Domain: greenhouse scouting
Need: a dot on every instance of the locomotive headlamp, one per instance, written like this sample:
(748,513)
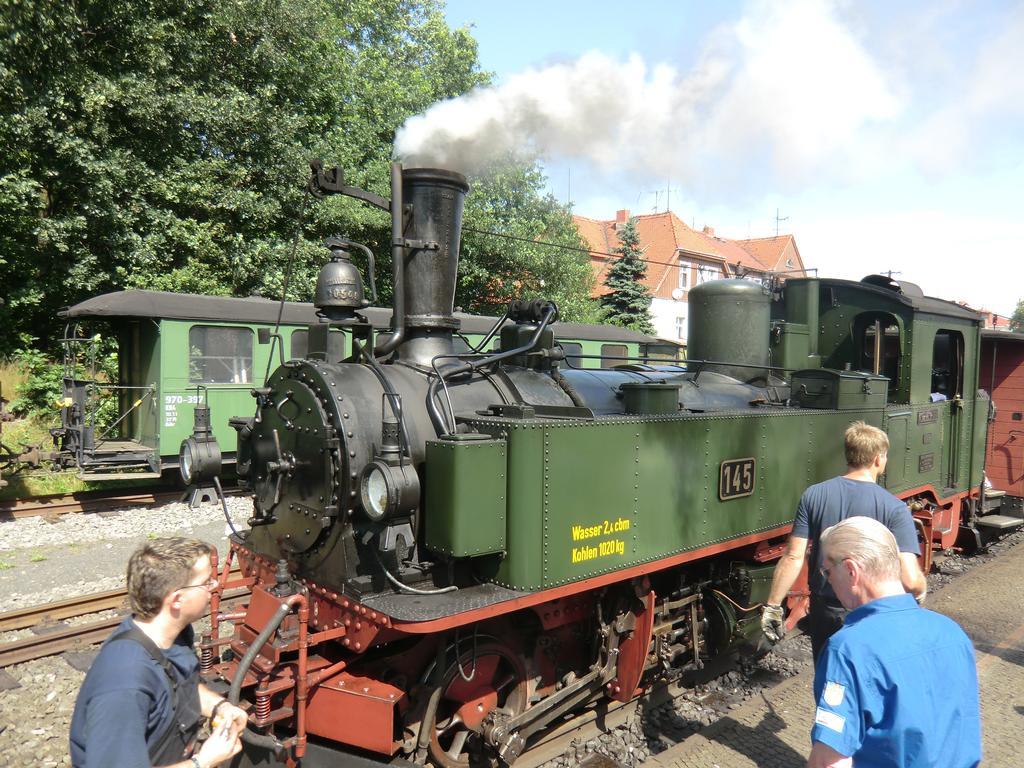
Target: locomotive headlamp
(199,458)
(388,490)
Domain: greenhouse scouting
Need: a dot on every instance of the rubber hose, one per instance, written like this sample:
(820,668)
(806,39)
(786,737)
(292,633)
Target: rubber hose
(428,723)
(568,388)
(257,739)
(430,714)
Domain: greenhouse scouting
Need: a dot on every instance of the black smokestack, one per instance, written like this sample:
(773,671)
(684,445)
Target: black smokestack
(433,200)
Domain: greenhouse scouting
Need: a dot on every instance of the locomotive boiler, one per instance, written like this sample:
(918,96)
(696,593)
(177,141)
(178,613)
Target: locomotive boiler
(451,551)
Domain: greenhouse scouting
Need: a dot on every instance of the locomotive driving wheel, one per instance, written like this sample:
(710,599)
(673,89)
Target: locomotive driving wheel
(497,681)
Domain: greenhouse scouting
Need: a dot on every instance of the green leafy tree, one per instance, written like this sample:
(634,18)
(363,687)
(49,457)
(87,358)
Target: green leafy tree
(520,243)
(628,302)
(163,143)
(1017,318)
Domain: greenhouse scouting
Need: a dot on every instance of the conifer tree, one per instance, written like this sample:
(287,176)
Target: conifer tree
(629,302)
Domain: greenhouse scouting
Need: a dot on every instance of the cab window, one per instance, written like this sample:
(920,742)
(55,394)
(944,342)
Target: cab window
(218,355)
(947,365)
(877,338)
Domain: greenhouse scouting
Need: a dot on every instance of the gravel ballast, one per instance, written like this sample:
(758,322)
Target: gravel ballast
(44,561)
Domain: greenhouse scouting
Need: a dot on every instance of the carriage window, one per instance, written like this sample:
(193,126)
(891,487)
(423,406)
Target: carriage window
(300,343)
(335,344)
(572,353)
(947,365)
(219,355)
(612,351)
(660,352)
(879,347)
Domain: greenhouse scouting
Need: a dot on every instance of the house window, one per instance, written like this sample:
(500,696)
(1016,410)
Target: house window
(706,273)
(218,355)
(684,275)
(681,328)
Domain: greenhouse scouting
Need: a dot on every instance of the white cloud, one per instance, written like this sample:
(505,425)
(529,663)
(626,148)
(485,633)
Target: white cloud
(973,258)
(786,90)
(803,91)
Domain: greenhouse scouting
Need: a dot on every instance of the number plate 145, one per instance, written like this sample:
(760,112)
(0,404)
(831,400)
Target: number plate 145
(736,479)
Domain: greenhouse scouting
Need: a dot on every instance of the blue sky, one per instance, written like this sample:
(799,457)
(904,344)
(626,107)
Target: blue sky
(891,134)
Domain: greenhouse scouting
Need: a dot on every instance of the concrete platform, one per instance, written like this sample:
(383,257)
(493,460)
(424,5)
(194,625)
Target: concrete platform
(773,731)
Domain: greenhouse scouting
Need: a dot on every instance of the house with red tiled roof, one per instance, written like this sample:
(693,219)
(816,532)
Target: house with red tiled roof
(991,320)
(679,257)
(778,254)
(994,322)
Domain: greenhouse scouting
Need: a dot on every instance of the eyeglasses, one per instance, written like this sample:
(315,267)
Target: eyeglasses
(208,585)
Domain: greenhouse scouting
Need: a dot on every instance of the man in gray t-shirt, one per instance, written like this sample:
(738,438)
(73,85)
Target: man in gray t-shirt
(855,494)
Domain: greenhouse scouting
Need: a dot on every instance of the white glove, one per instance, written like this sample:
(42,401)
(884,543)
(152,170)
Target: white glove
(773,623)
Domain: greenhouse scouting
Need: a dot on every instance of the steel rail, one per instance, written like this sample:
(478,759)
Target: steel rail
(82,501)
(23,618)
(87,501)
(64,639)
(58,639)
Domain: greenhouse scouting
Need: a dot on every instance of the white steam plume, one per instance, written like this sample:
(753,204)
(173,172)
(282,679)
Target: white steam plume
(781,91)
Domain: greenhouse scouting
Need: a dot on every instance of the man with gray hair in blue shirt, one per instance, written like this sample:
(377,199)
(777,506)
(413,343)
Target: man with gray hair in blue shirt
(897,686)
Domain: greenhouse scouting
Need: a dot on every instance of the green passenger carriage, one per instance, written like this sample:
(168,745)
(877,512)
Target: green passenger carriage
(178,350)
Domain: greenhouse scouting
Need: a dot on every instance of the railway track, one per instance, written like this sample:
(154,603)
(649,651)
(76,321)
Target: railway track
(82,501)
(55,637)
(604,717)
(50,613)
(58,504)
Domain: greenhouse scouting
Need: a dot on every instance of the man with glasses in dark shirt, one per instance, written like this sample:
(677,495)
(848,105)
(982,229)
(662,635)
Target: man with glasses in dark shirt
(141,703)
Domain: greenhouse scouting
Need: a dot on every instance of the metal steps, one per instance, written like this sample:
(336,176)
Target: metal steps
(999,522)
(993,501)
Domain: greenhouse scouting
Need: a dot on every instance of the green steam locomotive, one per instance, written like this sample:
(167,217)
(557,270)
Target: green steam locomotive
(450,551)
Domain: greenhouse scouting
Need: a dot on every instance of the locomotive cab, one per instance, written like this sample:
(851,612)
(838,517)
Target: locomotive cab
(935,416)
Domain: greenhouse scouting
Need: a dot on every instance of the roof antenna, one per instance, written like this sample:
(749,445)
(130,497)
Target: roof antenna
(777,220)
